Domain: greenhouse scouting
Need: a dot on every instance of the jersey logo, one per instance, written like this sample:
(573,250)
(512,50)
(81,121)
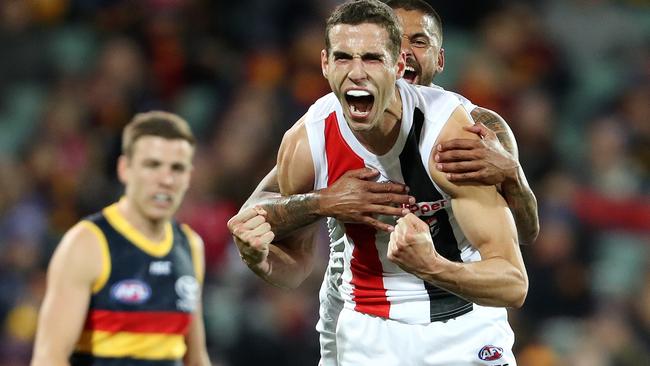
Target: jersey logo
(187,289)
(427,208)
(131,291)
(432,221)
(426,212)
(159,268)
(490,353)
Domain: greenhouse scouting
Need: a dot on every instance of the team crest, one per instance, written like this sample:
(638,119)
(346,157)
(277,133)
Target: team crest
(490,353)
(187,289)
(131,291)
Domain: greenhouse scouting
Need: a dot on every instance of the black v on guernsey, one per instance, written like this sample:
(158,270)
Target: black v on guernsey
(371,283)
(444,305)
(142,305)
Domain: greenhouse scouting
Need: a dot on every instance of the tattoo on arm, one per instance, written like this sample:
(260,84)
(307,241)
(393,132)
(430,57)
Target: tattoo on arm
(496,123)
(520,197)
(286,214)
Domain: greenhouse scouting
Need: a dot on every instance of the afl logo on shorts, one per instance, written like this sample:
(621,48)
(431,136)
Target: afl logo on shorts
(490,353)
(131,292)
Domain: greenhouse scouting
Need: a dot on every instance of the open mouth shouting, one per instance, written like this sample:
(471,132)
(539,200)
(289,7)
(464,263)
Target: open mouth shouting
(359,102)
(411,72)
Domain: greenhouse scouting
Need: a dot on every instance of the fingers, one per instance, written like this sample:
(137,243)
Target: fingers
(390,199)
(375,209)
(378,225)
(243,216)
(460,167)
(260,229)
(474,177)
(458,155)
(477,128)
(259,210)
(363,173)
(249,225)
(388,187)
(267,237)
(459,144)
(410,227)
(481,130)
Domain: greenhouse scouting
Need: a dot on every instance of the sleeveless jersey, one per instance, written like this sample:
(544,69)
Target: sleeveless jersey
(334,270)
(142,304)
(370,283)
(466,103)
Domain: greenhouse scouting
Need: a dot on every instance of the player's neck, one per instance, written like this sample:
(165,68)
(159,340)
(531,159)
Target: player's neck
(381,139)
(153,230)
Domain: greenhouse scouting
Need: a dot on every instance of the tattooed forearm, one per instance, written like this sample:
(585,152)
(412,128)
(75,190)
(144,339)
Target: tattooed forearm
(516,191)
(523,205)
(285,214)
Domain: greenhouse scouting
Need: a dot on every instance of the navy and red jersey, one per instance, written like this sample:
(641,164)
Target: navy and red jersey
(142,303)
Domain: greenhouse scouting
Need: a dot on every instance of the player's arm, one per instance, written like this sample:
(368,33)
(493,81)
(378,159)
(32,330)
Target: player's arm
(492,160)
(499,278)
(288,262)
(197,353)
(352,198)
(284,214)
(75,265)
(293,260)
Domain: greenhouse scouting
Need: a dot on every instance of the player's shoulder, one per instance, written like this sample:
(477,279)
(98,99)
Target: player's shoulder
(194,240)
(83,232)
(316,114)
(484,114)
(464,101)
(427,97)
(192,236)
(321,109)
(82,249)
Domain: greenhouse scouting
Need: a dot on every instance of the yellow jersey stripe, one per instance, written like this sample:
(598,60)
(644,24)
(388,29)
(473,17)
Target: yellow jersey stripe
(106,256)
(198,263)
(156,249)
(147,346)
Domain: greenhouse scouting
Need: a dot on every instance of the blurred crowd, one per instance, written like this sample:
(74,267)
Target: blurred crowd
(572,78)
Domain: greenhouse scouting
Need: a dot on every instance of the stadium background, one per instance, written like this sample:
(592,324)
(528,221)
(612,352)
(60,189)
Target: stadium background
(572,77)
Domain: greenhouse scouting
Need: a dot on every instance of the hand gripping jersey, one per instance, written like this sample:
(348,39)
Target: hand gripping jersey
(142,305)
(370,283)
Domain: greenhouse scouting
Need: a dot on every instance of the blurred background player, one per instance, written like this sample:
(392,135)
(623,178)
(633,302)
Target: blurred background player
(124,284)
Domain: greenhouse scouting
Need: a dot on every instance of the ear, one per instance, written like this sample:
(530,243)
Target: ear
(400,66)
(440,65)
(122,168)
(324,62)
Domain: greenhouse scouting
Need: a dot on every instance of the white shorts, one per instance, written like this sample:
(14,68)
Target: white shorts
(330,306)
(480,337)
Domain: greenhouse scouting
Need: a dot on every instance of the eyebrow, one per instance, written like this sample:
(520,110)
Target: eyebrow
(372,55)
(420,34)
(365,56)
(341,54)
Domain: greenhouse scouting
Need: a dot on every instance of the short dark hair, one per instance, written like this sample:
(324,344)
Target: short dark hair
(155,123)
(421,6)
(367,11)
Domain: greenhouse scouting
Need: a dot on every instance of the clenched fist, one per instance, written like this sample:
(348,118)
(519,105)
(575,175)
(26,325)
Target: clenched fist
(411,246)
(252,234)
